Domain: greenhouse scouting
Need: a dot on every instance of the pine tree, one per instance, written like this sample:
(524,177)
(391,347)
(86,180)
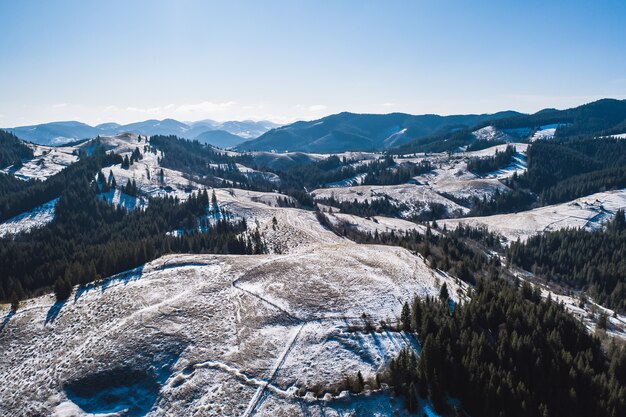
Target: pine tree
(443,293)
(405,317)
(62,288)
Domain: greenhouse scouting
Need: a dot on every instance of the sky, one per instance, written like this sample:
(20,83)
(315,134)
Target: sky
(131,60)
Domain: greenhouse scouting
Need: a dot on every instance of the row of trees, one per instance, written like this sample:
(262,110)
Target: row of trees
(400,174)
(374,207)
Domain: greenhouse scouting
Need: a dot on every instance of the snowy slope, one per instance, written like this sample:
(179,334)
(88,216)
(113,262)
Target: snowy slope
(47,161)
(417,197)
(588,212)
(36,217)
(544,132)
(215,334)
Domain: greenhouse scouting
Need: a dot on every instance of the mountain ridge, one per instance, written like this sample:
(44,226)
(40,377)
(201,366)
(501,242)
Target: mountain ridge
(60,132)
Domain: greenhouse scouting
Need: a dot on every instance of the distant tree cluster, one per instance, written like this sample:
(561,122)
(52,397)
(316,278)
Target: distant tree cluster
(135,156)
(448,142)
(500,160)
(402,173)
(366,208)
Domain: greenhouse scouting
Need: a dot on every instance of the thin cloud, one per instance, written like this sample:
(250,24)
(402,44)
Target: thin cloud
(388,104)
(205,107)
(317,107)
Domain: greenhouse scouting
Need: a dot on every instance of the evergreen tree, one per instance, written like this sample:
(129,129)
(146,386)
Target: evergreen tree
(405,317)
(443,293)
(62,288)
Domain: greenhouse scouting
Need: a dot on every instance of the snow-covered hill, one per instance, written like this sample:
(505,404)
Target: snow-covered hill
(223,335)
(589,212)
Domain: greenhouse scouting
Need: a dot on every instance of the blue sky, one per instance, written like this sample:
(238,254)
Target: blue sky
(124,61)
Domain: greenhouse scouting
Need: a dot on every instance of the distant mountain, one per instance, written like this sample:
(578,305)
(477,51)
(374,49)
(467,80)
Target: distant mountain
(54,133)
(248,129)
(155,127)
(362,132)
(220,138)
(57,133)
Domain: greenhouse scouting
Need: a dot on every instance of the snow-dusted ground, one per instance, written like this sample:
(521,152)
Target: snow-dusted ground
(544,132)
(491,151)
(218,335)
(47,161)
(490,133)
(417,197)
(36,217)
(507,135)
(450,174)
(376,223)
(589,212)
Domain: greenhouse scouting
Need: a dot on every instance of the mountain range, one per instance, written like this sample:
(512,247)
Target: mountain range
(378,132)
(355,132)
(221,134)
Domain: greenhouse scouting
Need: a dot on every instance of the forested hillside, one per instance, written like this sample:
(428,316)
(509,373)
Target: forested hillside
(594,261)
(27,195)
(507,353)
(599,118)
(12,150)
(90,239)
